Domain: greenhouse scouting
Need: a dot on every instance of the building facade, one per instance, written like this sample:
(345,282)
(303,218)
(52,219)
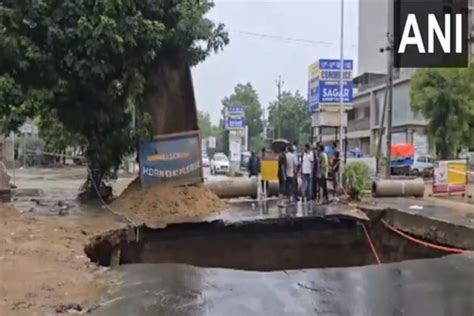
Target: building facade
(364,119)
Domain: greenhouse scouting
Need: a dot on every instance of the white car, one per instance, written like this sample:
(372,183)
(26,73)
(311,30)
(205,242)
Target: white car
(422,164)
(220,164)
(205,161)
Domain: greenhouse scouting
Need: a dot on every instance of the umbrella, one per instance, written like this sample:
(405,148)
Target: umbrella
(279,144)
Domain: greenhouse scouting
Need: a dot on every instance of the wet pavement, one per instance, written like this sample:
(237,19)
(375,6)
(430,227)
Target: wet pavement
(457,213)
(443,286)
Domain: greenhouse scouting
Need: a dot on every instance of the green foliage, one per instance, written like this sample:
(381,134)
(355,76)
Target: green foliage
(247,96)
(87,61)
(256,143)
(56,137)
(206,126)
(296,121)
(356,178)
(446,98)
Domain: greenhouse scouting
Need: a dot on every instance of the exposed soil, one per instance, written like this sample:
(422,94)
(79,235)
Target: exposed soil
(42,263)
(165,204)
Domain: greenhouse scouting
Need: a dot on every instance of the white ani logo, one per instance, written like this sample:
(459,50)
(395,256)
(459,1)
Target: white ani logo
(433,28)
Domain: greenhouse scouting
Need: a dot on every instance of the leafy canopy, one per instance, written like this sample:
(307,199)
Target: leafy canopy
(295,119)
(247,96)
(446,98)
(89,60)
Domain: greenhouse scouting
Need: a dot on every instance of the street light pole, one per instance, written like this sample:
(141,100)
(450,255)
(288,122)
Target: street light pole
(341,92)
(390,51)
(279,84)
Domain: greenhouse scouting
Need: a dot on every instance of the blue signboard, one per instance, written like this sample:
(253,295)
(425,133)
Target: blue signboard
(235,123)
(335,64)
(324,84)
(174,159)
(329,92)
(235,109)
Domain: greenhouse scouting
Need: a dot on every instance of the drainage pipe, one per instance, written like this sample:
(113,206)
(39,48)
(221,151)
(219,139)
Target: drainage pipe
(394,188)
(242,187)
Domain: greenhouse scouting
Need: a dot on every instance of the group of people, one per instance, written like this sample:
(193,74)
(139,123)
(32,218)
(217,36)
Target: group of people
(311,164)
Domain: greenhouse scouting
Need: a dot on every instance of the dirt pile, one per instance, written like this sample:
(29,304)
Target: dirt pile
(42,262)
(165,204)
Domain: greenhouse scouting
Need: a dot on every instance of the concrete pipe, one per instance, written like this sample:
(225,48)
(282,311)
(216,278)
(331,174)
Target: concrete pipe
(243,187)
(234,188)
(400,188)
(273,187)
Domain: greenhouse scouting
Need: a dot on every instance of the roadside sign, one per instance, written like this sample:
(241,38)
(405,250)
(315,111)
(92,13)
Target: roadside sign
(235,110)
(324,88)
(212,142)
(235,123)
(173,159)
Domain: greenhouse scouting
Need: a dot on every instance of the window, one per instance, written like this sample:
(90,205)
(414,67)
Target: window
(430,159)
(351,115)
(421,159)
(366,112)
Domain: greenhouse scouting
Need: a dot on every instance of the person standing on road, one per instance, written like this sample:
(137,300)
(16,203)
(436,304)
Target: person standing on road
(263,154)
(254,165)
(291,163)
(307,170)
(282,173)
(315,191)
(323,170)
(336,161)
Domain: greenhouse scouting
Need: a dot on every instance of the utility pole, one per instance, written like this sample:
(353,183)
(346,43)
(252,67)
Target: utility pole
(390,50)
(279,84)
(341,95)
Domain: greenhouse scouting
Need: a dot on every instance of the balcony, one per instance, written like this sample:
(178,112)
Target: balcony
(358,125)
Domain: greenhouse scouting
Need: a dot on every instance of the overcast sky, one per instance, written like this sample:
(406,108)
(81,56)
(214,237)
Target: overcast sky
(261,59)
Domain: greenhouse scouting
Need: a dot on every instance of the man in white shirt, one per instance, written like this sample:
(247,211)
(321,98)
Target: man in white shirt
(307,170)
(291,163)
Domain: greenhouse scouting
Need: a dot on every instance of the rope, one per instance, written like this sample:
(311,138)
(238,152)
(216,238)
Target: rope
(421,242)
(372,247)
(107,207)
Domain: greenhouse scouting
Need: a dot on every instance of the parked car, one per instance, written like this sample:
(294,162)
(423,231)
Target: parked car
(205,160)
(220,164)
(244,160)
(422,165)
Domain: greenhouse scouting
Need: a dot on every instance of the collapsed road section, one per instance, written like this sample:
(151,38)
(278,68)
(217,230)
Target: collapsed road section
(321,239)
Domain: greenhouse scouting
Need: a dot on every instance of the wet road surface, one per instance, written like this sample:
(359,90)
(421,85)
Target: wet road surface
(457,213)
(443,286)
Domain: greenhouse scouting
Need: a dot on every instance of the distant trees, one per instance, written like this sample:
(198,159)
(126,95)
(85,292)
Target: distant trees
(89,62)
(446,98)
(296,121)
(247,96)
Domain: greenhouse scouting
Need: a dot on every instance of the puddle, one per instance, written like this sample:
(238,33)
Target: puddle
(259,245)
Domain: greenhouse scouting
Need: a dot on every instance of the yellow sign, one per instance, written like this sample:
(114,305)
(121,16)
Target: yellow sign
(313,71)
(269,170)
(457,171)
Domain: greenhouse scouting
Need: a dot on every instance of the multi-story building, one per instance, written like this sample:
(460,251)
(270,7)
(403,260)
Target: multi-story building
(364,119)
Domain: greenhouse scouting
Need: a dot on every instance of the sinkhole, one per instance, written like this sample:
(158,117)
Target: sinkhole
(260,245)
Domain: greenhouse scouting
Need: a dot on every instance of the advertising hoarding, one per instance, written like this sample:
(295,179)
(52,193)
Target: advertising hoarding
(324,85)
(172,159)
(234,123)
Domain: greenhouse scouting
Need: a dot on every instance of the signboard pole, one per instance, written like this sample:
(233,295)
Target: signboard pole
(341,95)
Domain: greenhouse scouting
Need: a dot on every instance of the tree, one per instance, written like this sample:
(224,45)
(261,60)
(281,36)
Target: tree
(247,96)
(206,126)
(446,98)
(56,137)
(91,63)
(297,120)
